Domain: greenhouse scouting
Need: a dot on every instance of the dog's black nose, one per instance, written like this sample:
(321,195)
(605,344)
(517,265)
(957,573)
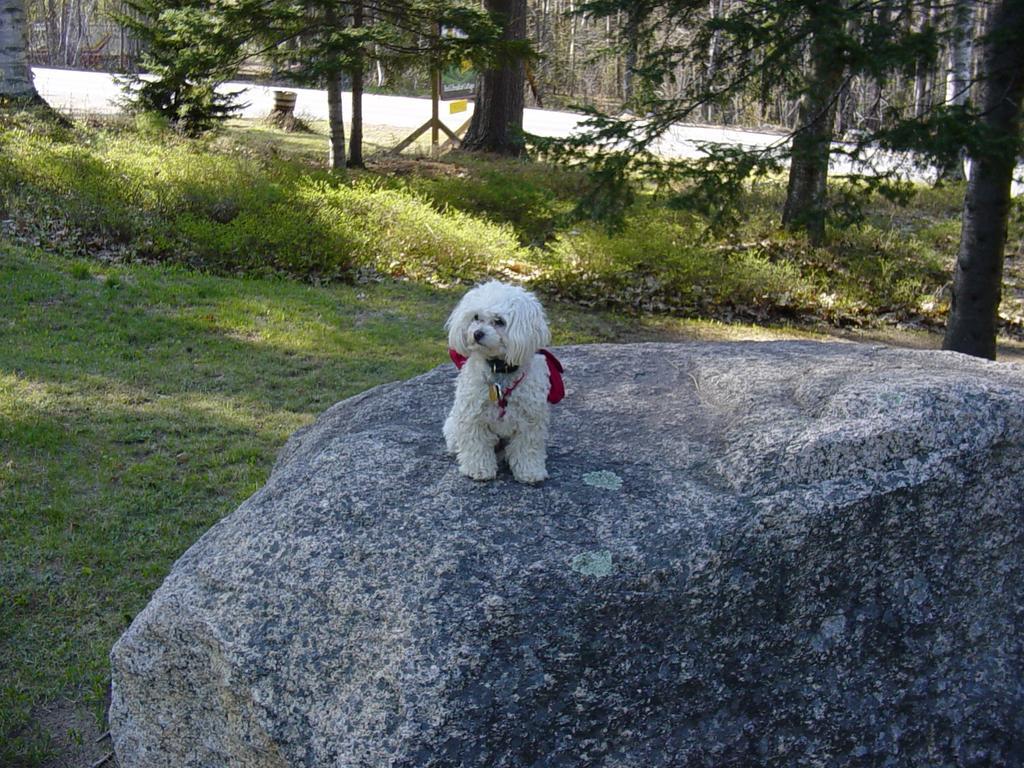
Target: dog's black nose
(478,334)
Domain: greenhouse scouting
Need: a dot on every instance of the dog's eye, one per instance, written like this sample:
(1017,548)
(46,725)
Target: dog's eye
(499,322)
(476,318)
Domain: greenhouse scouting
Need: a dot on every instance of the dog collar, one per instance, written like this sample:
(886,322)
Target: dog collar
(556,390)
(498,365)
(496,394)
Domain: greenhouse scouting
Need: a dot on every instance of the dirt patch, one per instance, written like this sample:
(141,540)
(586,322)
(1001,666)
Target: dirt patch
(1007,350)
(76,739)
(392,165)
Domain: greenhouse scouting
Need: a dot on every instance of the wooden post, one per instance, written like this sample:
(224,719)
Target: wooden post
(434,124)
(435,118)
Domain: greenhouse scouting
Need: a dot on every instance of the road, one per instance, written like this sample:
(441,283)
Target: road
(78,92)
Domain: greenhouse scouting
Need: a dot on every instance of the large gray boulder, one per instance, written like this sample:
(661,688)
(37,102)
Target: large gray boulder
(785,554)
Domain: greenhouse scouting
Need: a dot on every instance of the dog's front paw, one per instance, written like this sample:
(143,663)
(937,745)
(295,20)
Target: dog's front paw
(527,460)
(450,430)
(479,474)
(530,475)
(479,468)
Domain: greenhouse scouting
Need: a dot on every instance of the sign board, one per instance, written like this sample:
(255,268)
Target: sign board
(459,105)
(458,81)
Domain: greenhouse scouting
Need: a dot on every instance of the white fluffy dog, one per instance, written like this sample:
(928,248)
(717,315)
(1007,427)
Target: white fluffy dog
(506,380)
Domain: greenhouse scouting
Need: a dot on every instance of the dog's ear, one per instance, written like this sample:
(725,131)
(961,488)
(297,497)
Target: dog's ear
(527,329)
(457,324)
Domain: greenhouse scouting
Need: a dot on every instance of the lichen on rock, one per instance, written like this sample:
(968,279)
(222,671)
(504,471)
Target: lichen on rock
(609,481)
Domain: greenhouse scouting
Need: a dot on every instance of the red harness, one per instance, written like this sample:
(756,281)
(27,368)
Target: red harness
(555,393)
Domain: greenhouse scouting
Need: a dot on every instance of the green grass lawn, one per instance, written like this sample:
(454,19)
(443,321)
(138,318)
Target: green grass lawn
(137,406)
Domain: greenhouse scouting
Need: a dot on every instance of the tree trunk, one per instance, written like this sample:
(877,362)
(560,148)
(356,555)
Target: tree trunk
(978,274)
(355,146)
(572,49)
(335,120)
(711,63)
(497,124)
(958,76)
(812,142)
(958,80)
(15,77)
(922,71)
(631,31)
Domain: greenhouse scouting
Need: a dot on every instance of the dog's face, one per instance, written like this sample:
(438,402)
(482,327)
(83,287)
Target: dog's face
(497,320)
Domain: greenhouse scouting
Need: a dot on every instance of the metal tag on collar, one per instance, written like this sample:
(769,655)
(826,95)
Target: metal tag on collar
(494,393)
(500,365)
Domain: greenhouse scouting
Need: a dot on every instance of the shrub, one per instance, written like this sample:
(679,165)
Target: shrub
(170,200)
(663,262)
(152,195)
(533,199)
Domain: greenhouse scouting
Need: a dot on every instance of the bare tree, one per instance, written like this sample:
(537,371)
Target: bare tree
(631,38)
(958,75)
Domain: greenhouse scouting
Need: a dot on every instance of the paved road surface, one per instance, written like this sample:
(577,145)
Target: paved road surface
(97,93)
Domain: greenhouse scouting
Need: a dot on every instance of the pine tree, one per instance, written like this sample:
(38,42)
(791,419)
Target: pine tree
(806,192)
(190,48)
(497,123)
(805,49)
(356,71)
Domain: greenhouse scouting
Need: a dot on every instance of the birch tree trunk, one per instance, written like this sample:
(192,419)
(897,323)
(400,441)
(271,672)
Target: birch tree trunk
(958,75)
(572,49)
(711,64)
(15,77)
(978,274)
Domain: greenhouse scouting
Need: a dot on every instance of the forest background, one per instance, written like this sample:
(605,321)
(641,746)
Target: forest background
(583,59)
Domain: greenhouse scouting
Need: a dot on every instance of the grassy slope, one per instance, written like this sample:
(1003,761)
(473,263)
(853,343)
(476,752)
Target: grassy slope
(253,201)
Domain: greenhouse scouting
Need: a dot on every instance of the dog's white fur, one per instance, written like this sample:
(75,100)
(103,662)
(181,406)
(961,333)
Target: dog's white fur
(497,320)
